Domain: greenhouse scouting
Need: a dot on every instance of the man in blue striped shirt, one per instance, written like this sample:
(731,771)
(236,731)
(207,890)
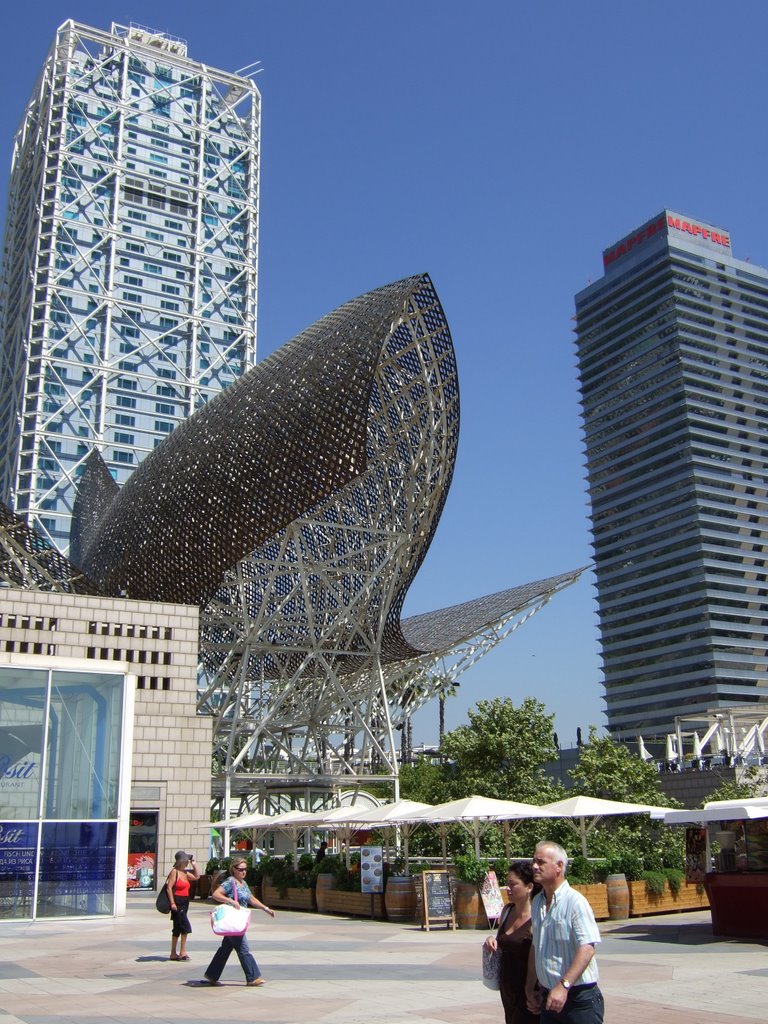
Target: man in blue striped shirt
(565,934)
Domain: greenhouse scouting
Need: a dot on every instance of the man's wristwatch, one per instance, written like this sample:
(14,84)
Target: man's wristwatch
(566,984)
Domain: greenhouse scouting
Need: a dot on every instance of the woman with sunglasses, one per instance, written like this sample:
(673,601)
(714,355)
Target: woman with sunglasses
(233,890)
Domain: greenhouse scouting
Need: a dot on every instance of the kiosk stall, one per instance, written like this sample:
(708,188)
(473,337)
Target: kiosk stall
(727,849)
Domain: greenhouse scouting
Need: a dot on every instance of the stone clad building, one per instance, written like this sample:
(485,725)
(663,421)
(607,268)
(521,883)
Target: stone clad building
(149,735)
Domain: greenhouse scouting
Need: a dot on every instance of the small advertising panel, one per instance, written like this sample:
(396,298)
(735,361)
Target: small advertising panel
(756,834)
(372,869)
(142,850)
(695,854)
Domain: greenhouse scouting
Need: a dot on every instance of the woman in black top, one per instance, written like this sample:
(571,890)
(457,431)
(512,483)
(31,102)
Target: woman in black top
(513,938)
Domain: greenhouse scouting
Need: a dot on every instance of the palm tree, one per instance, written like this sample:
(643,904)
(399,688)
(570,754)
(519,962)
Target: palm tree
(450,686)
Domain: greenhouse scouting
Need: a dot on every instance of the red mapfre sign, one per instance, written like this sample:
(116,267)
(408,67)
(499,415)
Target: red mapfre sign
(653,227)
(698,230)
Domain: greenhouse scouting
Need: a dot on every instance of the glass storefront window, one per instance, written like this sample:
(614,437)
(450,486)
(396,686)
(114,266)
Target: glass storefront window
(84,740)
(61,742)
(18,852)
(23,694)
(77,869)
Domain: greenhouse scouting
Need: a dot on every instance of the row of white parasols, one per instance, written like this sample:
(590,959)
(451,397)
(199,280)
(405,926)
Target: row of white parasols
(475,813)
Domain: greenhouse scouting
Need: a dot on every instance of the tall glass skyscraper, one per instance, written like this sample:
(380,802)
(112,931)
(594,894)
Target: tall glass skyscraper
(673,362)
(128,291)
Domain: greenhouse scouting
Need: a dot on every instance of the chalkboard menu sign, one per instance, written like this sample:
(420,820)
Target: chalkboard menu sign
(437,903)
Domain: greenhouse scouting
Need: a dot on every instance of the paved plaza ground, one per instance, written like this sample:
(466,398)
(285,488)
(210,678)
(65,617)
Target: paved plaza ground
(663,970)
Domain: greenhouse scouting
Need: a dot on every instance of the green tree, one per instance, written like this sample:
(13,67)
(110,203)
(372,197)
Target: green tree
(450,688)
(611,771)
(749,782)
(424,781)
(502,751)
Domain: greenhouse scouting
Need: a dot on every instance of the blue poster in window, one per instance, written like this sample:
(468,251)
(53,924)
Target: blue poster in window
(18,844)
(77,868)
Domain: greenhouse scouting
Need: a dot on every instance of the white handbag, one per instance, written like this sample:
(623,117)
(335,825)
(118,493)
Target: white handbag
(227,920)
(491,968)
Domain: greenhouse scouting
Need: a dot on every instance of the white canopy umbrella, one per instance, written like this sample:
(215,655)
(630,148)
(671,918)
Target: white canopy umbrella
(388,814)
(643,750)
(671,755)
(393,815)
(747,801)
(252,820)
(328,817)
(475,813)
(583,807)
(721,810)
(696,746)
(292,822)
(338,819)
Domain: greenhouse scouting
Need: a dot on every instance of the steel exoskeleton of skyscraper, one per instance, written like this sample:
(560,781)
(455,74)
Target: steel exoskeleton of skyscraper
(129,273)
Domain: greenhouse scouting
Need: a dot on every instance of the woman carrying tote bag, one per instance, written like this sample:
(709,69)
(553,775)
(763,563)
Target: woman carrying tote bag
(513,940)
(235,892)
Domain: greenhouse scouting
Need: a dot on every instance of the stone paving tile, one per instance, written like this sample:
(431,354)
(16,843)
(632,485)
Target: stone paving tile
(637,1011)
(342,971)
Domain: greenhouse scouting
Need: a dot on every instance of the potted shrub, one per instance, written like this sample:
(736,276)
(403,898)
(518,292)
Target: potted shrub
(286,886)
(588,878)
(323,877)
(662,888)
(400,894)
(470,872)
(338,889)
(205,881)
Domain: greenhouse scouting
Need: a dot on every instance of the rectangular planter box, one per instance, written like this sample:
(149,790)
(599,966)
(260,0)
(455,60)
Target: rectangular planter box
(294,899)
(642,902)
(356,904)
(597,897)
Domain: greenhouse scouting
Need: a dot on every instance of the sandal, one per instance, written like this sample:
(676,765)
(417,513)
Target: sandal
(185,957)
(177,957)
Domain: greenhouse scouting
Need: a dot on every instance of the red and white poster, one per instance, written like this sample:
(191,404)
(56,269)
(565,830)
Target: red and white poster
(141,871)
(490,893)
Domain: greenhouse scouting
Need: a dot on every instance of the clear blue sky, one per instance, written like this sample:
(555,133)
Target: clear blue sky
(499,146)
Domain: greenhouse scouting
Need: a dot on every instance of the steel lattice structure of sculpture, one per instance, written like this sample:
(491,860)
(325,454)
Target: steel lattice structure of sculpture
(29,562)
(296,509)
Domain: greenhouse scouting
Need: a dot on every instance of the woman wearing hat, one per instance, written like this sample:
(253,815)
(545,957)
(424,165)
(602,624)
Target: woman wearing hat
(184,869)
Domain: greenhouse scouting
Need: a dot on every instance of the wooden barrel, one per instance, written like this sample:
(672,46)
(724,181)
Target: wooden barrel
(325,884)
(468,907)
(618,897)
(400,898)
